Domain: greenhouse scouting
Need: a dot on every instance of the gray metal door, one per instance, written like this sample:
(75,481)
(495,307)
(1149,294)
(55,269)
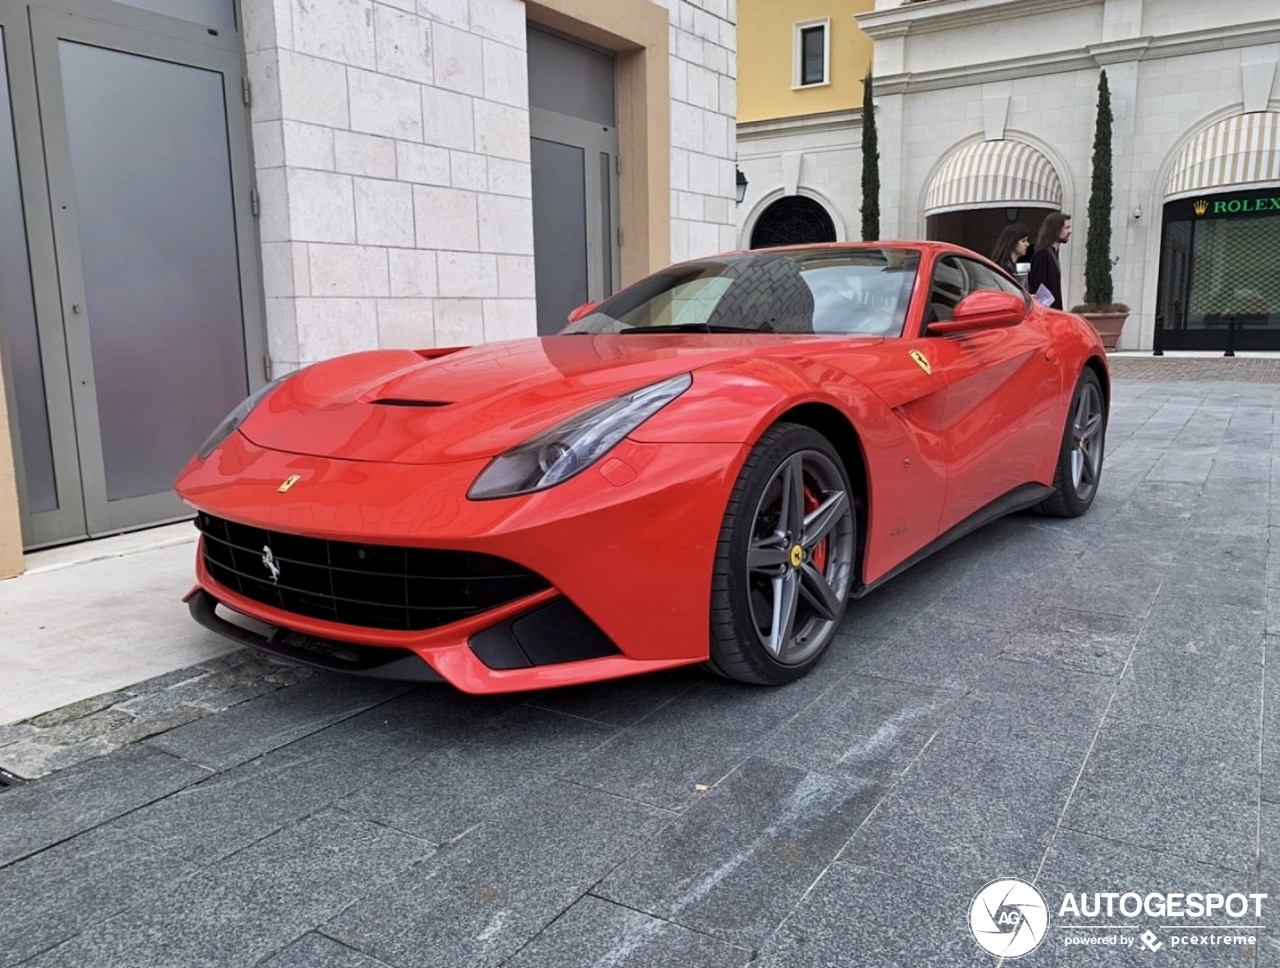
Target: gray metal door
(574,150)
(144,323)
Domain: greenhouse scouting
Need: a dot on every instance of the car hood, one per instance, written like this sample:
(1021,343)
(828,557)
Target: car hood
(432,406)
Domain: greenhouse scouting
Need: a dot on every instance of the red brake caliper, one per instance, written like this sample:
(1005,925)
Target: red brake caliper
(820,550)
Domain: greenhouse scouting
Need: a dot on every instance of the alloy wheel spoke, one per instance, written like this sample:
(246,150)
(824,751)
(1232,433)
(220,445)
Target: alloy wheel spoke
(1091,426)
(818,524)
(768,554)
(786,601)
(1088,471)
(1084,406)
(818,592)
(792,519)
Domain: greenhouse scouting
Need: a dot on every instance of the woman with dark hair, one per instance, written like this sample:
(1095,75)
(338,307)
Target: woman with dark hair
(1011,246)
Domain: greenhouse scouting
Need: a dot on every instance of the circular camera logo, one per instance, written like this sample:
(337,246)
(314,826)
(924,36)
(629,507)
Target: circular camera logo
(1008,918)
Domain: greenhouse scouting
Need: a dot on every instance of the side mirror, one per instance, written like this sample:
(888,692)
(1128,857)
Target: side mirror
(985,309)
(581,311)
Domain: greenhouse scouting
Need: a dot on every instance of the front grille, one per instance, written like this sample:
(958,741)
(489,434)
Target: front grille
(367,585)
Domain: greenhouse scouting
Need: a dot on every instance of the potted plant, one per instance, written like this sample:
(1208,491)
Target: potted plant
(1106,316)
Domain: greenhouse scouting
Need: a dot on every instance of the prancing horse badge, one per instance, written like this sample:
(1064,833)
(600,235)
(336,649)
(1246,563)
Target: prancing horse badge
(922,360)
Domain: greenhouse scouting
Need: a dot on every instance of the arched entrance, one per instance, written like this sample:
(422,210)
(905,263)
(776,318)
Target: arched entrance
(1219,234)
(985,186)
(794,220)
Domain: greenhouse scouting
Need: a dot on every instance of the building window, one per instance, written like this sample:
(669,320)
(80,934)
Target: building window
(794,220)
(812,53)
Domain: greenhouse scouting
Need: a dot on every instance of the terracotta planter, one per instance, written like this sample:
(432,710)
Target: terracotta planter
(1108,326)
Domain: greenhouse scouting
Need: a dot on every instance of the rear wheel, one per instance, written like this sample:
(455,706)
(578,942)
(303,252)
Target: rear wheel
(1080,456)
(785,560)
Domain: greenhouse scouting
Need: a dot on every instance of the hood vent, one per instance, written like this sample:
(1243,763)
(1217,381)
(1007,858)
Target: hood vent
(396,402)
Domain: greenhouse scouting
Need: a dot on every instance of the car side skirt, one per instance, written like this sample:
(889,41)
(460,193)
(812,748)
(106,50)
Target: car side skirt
(1019,499)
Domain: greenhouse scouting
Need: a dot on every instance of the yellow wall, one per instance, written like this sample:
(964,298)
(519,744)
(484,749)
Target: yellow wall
(766,30)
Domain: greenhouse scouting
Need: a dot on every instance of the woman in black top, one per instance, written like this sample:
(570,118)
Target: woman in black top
(1011,246)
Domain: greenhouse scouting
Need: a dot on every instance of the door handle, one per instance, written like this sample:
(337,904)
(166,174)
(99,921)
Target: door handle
(75,309)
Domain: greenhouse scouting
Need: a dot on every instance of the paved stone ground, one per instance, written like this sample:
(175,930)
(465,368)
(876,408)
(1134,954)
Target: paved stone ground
(1235,369)
(1081,704)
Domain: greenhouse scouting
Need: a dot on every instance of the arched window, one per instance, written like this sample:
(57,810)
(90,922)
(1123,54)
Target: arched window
(795,220)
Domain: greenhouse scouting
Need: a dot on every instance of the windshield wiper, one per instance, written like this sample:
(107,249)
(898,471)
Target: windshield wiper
(693,328)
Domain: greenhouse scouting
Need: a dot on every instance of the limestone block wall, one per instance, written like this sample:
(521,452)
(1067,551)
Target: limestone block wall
(392,153)
(703,111)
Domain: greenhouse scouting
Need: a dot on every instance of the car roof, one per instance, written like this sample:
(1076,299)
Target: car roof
(818,248)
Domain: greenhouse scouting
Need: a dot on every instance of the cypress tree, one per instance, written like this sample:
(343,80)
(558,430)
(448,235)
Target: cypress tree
(1097,259)
(870,166)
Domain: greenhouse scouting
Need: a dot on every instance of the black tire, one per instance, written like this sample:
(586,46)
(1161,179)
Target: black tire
(1079,470)
(765,556)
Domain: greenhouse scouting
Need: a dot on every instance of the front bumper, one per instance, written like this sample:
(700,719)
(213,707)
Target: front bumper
(359,660)
(629,545)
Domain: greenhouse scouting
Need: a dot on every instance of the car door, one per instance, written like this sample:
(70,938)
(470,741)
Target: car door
(997,414)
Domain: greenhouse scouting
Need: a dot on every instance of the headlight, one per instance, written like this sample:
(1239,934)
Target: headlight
(237,416)
(558,454)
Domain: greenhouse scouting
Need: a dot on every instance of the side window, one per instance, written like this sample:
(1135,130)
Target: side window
(950,285)
(984,277)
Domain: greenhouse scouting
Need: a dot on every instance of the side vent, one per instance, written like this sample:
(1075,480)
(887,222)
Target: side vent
(395,402)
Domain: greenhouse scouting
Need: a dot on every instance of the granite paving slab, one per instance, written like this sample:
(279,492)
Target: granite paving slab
(35,816)
(1195,693)
(448,791)
(93,727)
(736,862)
(271,892)
(55,894)
(238,806)
(1080,864)
(480,900)
(596,932)
(314,950)
(1180,790)
(703,735)
(274,720)
(898,922)
(869,728)
(968,805)
(1020,702)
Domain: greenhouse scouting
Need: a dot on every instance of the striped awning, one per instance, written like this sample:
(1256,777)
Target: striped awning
(994,174)
(1238,151)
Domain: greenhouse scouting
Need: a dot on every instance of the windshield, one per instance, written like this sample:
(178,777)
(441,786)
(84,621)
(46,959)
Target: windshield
(854,292)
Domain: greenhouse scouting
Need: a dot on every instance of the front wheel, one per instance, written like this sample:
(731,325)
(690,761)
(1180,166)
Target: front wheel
(1080,455)
(785,560)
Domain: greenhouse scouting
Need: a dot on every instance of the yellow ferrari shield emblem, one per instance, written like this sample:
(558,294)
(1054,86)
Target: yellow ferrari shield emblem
(797,556)
(288,483)
(922,361)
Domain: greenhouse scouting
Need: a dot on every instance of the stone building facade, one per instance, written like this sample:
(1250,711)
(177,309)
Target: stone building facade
(373,179)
